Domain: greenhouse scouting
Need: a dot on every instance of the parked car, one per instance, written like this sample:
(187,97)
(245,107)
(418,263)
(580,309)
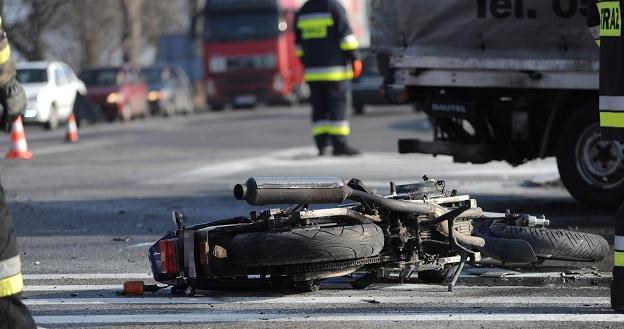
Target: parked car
(170,89)
(119,91)
(367,90)
(51,89)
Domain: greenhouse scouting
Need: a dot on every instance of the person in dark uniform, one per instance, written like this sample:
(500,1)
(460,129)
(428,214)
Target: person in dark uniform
(13,313)
(327,48)
(604,19)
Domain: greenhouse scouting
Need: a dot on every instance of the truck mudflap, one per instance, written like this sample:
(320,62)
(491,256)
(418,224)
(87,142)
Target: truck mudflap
(473,153)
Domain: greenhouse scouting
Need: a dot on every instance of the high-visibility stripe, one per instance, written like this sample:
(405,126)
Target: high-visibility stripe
(618,245)
(333,73)
(319,128)
(11,285)
(10,267)
(610,18)
(618,258)
(336,128)
(349,43)
(314,26)
(299,51)
(5,54)
(315,22)
(611,103)
(612,119)
(341,129)
(315,16)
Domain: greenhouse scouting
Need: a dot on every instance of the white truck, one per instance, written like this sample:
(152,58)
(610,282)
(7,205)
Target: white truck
(510,80)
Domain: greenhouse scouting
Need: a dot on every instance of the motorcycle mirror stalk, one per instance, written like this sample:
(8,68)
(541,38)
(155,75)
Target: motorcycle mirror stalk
(178,220)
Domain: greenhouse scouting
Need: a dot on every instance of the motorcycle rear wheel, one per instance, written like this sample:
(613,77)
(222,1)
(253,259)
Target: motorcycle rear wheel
(306,245)
(557,244)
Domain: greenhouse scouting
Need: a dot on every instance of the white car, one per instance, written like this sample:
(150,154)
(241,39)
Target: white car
(51,89)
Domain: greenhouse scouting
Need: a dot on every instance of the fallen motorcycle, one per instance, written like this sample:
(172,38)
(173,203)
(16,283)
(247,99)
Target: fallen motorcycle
(418,229)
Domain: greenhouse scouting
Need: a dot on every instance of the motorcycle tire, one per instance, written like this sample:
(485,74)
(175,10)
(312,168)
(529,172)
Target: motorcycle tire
(557,244)
(306,245)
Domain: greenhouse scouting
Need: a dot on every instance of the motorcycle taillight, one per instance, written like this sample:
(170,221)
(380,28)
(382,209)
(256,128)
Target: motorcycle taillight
(168,256)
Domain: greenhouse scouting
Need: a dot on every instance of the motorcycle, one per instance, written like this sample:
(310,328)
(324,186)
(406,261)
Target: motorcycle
(420,229)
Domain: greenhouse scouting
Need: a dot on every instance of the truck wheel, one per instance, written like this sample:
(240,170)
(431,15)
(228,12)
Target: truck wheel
(557,244)
(591,169)
(306,245)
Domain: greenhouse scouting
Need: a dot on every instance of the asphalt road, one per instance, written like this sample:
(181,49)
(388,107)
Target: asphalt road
(87,212)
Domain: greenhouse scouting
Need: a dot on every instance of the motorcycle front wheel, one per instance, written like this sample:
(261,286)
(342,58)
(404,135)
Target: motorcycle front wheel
(557,244)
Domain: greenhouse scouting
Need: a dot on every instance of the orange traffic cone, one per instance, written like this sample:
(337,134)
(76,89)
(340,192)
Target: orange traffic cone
(19,147)
(72,130)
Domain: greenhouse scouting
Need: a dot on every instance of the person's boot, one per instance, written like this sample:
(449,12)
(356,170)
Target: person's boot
(323,144)
(341,147)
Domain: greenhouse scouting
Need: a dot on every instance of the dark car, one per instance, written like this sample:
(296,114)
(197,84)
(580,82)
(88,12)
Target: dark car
(119,91)
(170,89)
(367,90)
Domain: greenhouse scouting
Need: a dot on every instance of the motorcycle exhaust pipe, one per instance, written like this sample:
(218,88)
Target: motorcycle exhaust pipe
(259,191)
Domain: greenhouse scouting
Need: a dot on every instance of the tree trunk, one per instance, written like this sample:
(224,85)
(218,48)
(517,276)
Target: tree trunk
(131,35)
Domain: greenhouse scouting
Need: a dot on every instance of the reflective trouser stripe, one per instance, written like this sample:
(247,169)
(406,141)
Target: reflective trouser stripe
(332,73)
(349,43)
(319,129)
(335,128)
(618,245)
(611,103)
(618,258)
(10,267)
(11,285)
(611,111)
(299,51)
(612,119)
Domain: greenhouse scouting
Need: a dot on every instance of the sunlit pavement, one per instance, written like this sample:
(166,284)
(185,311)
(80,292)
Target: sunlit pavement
(87,212)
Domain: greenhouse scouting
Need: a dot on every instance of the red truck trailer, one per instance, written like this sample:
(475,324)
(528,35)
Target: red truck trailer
(249,53)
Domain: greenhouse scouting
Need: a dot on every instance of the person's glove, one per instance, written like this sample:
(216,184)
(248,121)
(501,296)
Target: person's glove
(357,68)
(13,101)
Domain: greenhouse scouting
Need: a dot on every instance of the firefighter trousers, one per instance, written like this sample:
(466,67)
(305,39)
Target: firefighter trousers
(13,313)
(330,103)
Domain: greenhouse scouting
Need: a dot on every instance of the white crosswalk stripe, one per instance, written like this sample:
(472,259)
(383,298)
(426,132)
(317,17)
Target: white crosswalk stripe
(51,304)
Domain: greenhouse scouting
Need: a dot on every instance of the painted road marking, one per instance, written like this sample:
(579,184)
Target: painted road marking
(465,274)
(334,300)
(305,156)
(73,287)
(207,317)
(87,276)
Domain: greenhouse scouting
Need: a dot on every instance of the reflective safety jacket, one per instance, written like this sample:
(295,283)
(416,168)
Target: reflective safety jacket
(325,43)
(10,266)
(604,19)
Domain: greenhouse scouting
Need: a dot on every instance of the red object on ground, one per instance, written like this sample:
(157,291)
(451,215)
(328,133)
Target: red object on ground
(72,130)
(19,146)
(133,288)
